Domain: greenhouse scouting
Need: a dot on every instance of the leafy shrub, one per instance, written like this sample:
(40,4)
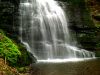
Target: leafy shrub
(8,49)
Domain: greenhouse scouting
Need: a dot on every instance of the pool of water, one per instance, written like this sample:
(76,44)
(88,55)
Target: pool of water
(86,67)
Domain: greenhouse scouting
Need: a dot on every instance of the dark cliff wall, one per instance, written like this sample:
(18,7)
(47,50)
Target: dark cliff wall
(80,22)
(94,7)
(9,17)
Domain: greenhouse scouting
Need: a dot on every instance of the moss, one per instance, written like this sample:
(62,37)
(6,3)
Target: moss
(15,54)
(8,49)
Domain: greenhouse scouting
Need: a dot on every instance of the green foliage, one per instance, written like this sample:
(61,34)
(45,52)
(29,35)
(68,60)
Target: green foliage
(16,55)
(8,49)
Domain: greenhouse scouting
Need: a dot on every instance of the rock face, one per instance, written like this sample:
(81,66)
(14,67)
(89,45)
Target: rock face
(94,6)
(9,17)
(79,20)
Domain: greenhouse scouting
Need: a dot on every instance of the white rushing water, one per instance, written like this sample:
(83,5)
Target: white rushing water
(44,31)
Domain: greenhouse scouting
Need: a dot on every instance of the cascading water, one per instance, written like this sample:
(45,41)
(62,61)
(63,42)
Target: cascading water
(44,31)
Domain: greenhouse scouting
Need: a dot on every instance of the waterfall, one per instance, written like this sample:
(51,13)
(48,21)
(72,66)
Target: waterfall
(44,31)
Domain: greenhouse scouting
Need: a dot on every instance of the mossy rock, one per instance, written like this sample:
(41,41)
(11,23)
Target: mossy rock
(26,57)
(8,49)
(15,54)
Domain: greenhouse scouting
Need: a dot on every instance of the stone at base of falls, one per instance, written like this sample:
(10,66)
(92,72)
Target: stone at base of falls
(34,60)
(26,57)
